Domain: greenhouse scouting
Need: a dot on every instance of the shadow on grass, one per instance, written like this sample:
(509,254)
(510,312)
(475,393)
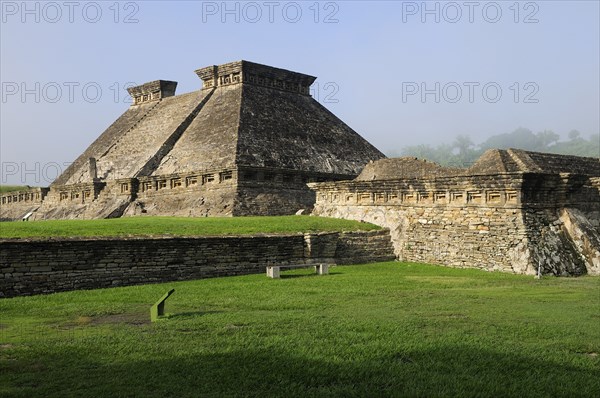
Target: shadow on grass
(291,276)
(307,275)
(190,314)
(442,371)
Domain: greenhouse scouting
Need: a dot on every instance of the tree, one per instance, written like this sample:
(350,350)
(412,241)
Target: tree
(574,135)
(463,144)
(463,152)
(546,138)
(520,138)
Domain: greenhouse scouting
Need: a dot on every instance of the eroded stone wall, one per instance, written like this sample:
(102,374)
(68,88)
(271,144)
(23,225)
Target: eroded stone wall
(15,205)
(509,222)
(269,191)
(364,247)
(491,239)
(233,191)
(46,266)
(87,200)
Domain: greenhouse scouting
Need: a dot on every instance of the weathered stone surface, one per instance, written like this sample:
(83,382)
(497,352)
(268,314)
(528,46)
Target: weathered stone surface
(538,214)
(152,91)
(45,266)
(493,161)
(517,160)
(283,130)
(246,143)
(78,170)
(406,167)
(251,139)
(584,236)
(15,205)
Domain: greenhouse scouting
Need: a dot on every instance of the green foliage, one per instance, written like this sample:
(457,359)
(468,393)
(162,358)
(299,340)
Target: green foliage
(463,152)
(178,226)
(388,329)
(522,138)
(12,188)
(578,145)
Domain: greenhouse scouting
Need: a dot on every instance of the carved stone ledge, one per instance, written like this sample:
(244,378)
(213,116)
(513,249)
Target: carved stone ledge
(256,74)
(152,91)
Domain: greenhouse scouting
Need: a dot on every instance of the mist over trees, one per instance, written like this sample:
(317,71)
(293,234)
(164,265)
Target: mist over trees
(462,151)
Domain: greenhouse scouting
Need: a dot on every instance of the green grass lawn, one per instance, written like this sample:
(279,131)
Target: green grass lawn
(11,188)
(388,329)
(177,226)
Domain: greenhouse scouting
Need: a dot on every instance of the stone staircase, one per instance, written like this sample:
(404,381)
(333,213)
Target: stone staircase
(133,126)
(144,140)
(77,172)
(167,146)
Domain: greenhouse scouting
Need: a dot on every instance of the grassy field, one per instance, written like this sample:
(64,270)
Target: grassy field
(177,226)
(11,188)
(388,329)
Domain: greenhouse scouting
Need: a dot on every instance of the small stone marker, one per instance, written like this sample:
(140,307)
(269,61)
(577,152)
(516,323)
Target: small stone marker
(158,308)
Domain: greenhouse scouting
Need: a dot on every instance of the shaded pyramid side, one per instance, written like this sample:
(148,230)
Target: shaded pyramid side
(554,163)
(286,130)
(519,160)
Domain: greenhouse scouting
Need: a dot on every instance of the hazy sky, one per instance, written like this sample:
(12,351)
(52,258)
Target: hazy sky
(399,73)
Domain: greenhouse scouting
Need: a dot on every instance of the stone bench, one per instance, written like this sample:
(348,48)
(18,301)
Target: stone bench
(273,270)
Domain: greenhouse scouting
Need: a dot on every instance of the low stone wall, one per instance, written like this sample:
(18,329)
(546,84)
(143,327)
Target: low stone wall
(485,238)
(45,266)
(508,222)
(364,247)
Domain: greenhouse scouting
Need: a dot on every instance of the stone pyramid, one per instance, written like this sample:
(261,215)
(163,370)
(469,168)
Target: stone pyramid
(245,144)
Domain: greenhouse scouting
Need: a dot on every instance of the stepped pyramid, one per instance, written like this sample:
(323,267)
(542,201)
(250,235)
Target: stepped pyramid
(245,144)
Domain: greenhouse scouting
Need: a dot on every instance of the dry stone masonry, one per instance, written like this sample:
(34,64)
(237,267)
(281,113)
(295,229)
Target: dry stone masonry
(253,141)
(37,266)
(512,211)
(245,144)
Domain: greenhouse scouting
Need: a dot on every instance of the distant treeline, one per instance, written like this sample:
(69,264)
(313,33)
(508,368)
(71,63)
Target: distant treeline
(463,152)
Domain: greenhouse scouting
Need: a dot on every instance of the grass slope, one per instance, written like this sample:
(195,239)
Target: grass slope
(386,329)
(12,188)
(177,226)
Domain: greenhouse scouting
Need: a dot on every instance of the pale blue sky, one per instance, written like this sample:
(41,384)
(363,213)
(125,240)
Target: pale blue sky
(371,54)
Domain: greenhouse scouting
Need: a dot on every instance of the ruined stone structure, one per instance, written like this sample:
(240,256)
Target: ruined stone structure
(511,211)
(245,144)
(252,141)
(15,205)
(36,266)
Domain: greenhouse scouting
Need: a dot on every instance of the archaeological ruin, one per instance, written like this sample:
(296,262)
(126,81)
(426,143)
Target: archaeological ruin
(245,144)
(252,141)
(512,211)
